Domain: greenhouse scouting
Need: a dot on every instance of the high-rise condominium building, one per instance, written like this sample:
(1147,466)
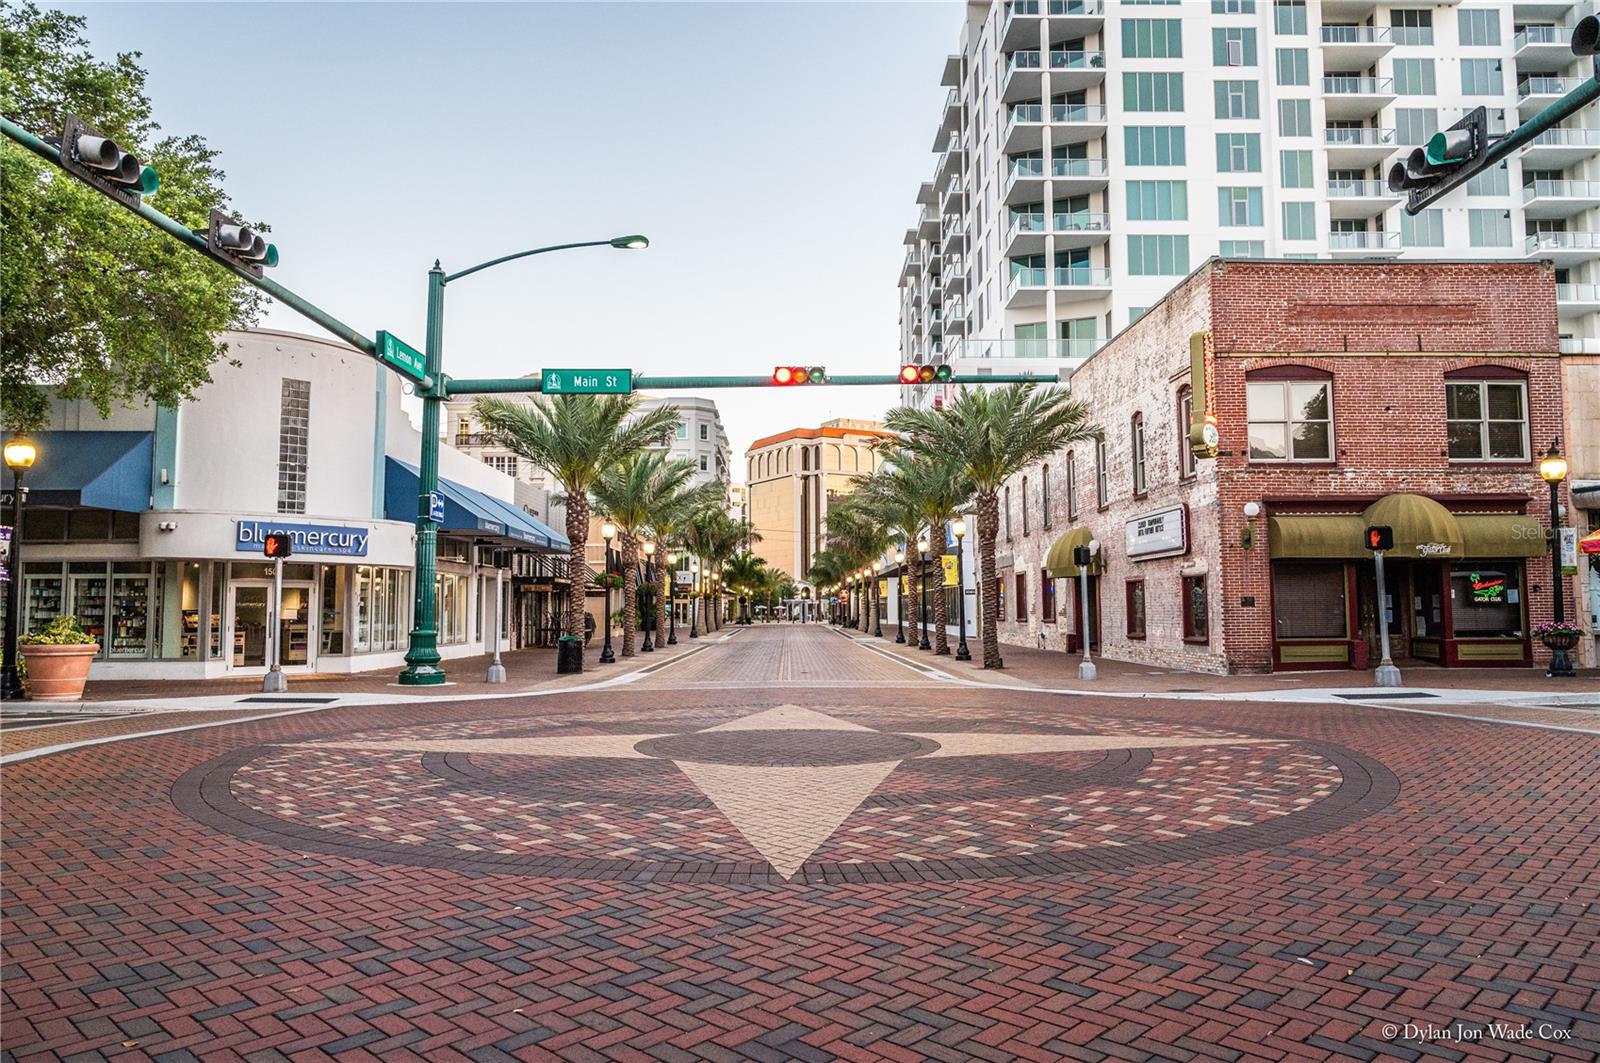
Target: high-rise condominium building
(1093,152)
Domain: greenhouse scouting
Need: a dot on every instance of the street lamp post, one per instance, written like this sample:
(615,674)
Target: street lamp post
(877,601)
(962,652)
(497,670)
(1554,470)
(648,580)
(694,597)
(422,652)
(608,532)
(1086,668)
(922,593)
(900,596)
(20,455)
(672,598)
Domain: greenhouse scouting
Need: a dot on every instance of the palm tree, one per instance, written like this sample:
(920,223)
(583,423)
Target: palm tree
(996,434)
(670,513)
(746,574)
(714,537)
(931,489)
(627,493)
(860,539)
(578,438)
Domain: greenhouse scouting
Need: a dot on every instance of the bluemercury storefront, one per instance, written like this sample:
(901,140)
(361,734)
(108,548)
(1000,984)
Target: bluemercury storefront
(1456,590)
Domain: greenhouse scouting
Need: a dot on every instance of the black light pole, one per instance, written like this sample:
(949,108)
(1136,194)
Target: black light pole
(672,598)
(694,597)
(648,583)
(1554,469)
(877,598)
(900,596)
(608,531)
(922,593)
(962,653)
(19,455)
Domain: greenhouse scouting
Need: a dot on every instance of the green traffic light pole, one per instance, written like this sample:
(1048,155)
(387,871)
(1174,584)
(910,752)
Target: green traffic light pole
(422,654)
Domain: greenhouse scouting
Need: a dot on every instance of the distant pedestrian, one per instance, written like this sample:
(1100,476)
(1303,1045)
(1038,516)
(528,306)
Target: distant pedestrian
(588,627)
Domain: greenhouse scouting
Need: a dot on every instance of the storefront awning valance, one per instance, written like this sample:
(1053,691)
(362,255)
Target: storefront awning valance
(92,470)
(467,510)
(1419,531)
(1058,562)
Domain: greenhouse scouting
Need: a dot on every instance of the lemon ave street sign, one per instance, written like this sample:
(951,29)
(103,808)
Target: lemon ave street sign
(400,355)
(586,381)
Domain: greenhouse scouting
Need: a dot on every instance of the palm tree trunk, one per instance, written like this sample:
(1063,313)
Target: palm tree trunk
(941,614)
(577,567)
(630,591)
(988,528)
(663,602)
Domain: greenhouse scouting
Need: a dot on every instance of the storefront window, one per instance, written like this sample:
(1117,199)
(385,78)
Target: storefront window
(363,608)
(1196,627)
(1308,601)
(131,611)
(1427,605)
(335,581)
(1136,609)
(44,593)
(1486,600)
(90,588)
(180,610)
(1047,594)
(213,622)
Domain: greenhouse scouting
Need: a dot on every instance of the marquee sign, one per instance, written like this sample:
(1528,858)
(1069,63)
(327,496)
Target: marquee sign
(1162,533)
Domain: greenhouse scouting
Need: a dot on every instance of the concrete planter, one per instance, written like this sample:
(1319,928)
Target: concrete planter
(58,673)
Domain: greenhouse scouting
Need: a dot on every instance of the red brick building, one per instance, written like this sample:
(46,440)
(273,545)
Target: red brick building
(1418,396)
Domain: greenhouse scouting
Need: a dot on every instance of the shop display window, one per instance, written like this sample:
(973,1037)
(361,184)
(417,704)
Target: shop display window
(1308,601)
(1486,600)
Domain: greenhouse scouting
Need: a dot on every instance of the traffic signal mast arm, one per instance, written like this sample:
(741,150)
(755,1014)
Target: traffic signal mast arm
(194,242)
(532,384)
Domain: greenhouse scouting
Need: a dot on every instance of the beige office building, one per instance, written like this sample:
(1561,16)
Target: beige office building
(792,478)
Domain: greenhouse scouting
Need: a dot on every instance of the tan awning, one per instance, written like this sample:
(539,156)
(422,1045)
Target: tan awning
(1058,562)
(1326,536)
(1502,535)
(1422,527)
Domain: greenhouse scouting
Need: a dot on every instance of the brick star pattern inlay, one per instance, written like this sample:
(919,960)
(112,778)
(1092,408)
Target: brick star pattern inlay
(784,793)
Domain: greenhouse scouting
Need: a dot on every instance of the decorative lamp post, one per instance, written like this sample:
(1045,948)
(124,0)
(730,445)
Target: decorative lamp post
(1086,668)
(647,583)
(900,596)
(962,653)
(608,532)
(672,598)
(20,455)
(694,597)
(877,597)
(1554,470)
(922,592)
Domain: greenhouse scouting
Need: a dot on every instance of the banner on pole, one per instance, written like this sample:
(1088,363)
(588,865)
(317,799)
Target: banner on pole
(949,563)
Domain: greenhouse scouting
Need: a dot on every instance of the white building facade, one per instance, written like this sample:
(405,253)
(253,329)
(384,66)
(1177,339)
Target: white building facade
(1092,152)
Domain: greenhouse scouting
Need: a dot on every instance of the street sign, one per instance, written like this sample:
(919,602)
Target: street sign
(399,355)
(436,507)
(586,381)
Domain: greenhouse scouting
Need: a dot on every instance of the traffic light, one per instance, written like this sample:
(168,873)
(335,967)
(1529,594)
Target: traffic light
(784,375)
(925,374)
(276,545)
(239,244)
(102,163)
(1081,556)
(1449,159)
(1380,538)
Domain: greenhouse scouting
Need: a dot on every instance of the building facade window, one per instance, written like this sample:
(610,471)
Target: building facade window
(1475,612)
(1195,621)
(1294,118)
(1290,420)
(1289,17)
(1495,181)
(1152,38)
(1414,77)
(1157,200)
(1411,27)
(1025,527)
(705,431)
(1022,598)
(1101,484)
(294,436)
(1044,496)
(1154,145)
(506,463)
(1238,99)
(1479,28)
(1185,419)
(1308,600)
(1047,597)
(1425,229)
(1299,221)
(1294,66)
(1136,444)
(1487,420)
(1296,169)
(1072,485)
(1239,207)
(1006,505)
(1413,126)
(1242,248)
(1482,77)
(1155,91)
(1238,152)
(1166,256)
(1489,228)
(1233,46)
(1135,610)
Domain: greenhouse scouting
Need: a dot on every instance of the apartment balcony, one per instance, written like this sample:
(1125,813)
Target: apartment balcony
(1024,128)
(955,318)
(1076,123)
(1024,76)
(1580,345)
(1076,177)
(928,224)
(1536,93)
(1029,286)
(1564,249)
(948,169)
(1345,96)
(949,118)
(1374,244)
(954,240)
(1023,24)
(1542,49)
(1577,298)
(1025,235)
(912,268)
(1068,20)
(1070,70)
(1080,229)
(1354,47)
(1353,10)
(1357,149)
(1540,10)
(1559,199)
(1025,181)
(934,323)
(1558,148)
(917,324)
(1360,199)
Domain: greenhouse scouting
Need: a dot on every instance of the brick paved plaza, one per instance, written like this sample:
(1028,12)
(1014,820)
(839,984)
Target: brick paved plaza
(787,846)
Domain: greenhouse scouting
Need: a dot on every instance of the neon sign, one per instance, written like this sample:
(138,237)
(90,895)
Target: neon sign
(1488,591)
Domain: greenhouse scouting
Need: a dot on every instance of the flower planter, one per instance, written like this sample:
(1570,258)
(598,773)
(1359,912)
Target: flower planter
(58,673)
(1559,642)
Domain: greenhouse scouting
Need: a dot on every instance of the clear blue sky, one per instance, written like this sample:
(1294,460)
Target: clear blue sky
(770,151)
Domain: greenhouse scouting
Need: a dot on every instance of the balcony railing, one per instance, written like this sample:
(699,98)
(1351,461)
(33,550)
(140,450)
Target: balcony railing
(1355,35)
(1077,167)
(1027,223)
(1077,112)
(952,225)
(1580,345)
(1027,112)
(1025,347)
(1081,222)
(1539,35)
(1358,190)
(1564,137)
(1345,85)
(1557,241)
(1363,241)
(1082,277)
(1029,276)
(1542,189)
(1074,60)
(1546,86)
(1578,293)
(1028,59)
(1412,36)
(1358,138)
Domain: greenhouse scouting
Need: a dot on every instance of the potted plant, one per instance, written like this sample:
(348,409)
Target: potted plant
(1559,637)
(57,659)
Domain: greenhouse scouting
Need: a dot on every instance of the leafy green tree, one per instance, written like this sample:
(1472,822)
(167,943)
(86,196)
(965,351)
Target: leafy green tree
(746,575)
(996,433)
(627,493)
(94,301)
(578,438)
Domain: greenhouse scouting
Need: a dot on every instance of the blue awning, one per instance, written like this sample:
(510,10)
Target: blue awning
(466,510)
(92,470)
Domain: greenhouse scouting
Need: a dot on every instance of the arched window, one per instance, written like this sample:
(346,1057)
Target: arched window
(1290,413)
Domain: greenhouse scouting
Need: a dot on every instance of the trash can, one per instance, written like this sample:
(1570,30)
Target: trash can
(569,655)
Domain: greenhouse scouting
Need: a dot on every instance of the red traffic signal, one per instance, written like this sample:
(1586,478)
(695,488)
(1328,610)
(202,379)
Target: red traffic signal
(784,375)
(925,374)
(1380,537)
(276,545)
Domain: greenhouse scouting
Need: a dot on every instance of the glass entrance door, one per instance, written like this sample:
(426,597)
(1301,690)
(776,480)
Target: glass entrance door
(247,605)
